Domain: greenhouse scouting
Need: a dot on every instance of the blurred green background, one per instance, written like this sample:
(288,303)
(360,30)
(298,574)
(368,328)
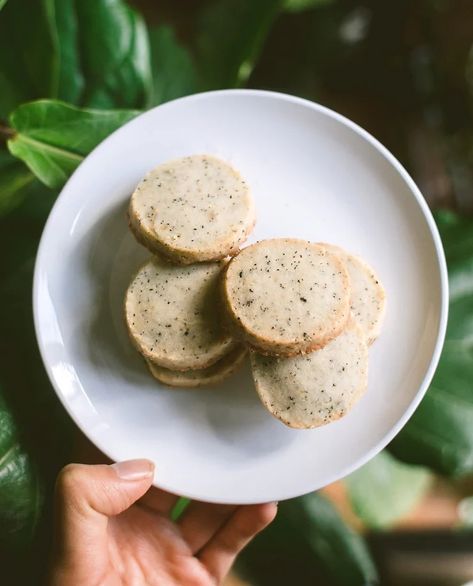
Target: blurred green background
(71,71)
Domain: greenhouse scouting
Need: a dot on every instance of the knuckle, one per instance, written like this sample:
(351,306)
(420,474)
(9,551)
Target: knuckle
(70,481)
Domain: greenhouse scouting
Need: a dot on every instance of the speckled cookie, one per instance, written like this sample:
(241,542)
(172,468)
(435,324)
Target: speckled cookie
(314,389)
(286,296)
(367,298)
(211,375)
(192,209)
(172,314)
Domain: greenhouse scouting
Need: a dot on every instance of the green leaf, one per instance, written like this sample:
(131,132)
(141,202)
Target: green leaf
(2,3)
(384,490)
(308,533)
(20,490)
(179,508)
(53,137)
(28,61)
(89,52)
(342,551)
(461,282)
(174,73)
(300,5)
(108,47)
(50,164)
(457,235)
(232,35)
(71,82)
(14,181)
(440,433)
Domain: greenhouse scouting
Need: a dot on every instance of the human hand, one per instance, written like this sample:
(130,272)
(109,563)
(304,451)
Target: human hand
(113,529)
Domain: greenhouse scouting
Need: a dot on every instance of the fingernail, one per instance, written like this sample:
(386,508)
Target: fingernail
(134,469)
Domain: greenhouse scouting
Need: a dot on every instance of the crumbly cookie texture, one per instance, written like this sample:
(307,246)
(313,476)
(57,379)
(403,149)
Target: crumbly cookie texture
(317,388)
(211,375)
(368,297)
(286,296)
(173,314)
(192,209)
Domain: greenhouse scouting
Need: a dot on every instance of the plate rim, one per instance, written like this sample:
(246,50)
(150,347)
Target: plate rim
(434,234)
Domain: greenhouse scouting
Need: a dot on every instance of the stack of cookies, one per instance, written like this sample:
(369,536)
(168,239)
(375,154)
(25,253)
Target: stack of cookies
(190,213)
(306,312)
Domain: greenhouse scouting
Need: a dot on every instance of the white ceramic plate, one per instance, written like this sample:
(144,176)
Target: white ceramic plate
(314,175)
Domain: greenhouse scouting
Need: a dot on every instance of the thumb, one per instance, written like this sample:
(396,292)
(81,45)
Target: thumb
(87,495)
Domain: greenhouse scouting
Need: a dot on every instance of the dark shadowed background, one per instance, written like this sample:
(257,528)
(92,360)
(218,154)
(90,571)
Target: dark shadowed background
(401,69)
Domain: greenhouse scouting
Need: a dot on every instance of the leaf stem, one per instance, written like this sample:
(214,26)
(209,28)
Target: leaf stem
(6,132)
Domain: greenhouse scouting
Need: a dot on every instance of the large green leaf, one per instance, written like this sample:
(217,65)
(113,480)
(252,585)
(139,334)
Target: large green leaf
(65,29)
(28,61)
(20,489)
(14,181)
(341,550)
(440,433)
(232,34)
(457,238)
(50,164)
(103,54)
(456,232)
(89,52)
(174,73)
(53,137)
(308,536)
(384,490)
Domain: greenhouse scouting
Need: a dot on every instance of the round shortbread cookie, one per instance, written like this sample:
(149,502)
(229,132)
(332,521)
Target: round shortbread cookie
(173,314)
(368,297)
(317,388)
(286,296)
(211,375)
(192,209)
